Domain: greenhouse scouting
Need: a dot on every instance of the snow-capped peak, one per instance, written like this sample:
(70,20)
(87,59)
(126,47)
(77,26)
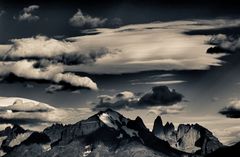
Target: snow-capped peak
(114,120)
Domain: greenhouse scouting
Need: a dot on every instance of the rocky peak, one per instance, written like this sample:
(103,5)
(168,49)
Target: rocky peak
(139,122)
(158,125)
(188,137)
(169,127)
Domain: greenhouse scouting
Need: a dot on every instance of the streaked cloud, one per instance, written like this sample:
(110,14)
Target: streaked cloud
(138,48)
(161,110)
(159,82)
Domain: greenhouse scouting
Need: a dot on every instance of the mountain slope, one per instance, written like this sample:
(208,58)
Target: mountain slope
(227,151)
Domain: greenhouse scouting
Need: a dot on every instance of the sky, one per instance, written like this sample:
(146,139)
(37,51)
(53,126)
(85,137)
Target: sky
(63,61)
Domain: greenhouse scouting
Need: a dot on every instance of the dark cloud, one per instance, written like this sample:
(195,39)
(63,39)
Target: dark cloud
(232,110)
(161,97)
(27,14)
(216,49)
(224,44)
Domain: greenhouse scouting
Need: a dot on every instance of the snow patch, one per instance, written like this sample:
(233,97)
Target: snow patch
(20,138)
(108,120)
(120,136)
(87,150)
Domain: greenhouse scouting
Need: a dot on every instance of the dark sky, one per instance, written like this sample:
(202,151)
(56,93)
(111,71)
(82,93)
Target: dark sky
(54,15)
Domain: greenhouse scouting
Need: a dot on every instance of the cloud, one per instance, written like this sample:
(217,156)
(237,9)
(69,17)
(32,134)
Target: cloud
(139,51)
(30,8)
(51,50)
(161,110)
(45,58)
(80,20)
(160,100)
(161,95)
(33,113)
(27,15)
(53,73)
(232,110)
(23,111)
(224,43)
(117,51)
(20,106)
(120,100)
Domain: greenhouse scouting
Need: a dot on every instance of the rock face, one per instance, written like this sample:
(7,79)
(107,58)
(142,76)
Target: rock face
(189,138)
(15,137)
(108,133)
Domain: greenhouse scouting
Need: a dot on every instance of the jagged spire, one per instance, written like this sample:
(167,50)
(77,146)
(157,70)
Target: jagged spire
(158,125)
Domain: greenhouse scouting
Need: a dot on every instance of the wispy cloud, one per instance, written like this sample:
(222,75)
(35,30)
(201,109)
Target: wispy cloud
(27,14)
(159,82)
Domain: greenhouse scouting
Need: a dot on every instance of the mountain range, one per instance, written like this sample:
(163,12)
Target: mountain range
(108,133)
